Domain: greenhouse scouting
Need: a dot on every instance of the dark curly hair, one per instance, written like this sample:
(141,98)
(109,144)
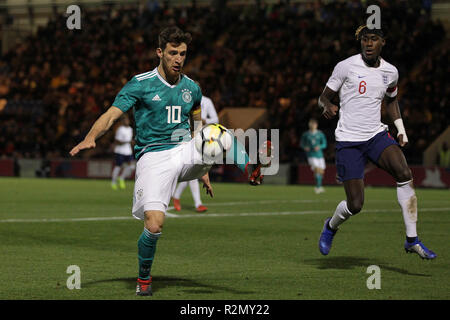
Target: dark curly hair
(173,35)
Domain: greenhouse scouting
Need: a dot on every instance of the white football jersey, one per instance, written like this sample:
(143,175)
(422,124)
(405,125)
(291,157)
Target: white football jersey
(209,114)
(124,134)
(361,91)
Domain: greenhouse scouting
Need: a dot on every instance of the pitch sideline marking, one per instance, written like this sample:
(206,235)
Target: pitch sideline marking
(212,215)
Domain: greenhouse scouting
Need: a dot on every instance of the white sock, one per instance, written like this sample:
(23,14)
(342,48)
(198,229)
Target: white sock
(407,199)
(340,215)
(195,190)
(126,172)
(115,174)
(179,190)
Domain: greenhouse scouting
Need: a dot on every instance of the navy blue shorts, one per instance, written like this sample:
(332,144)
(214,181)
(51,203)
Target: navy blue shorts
(351,157)
(119,159)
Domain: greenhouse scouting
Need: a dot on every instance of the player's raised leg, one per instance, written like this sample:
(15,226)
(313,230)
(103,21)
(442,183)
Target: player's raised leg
(234,153)
(252,169)
(393,161)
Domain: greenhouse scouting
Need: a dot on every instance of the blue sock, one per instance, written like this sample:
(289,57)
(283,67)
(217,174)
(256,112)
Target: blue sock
(237,155)
(146,252)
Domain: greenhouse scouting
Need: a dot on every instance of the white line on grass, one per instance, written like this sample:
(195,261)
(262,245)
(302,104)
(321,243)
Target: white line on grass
(217,204)
(212,215)
(66,219)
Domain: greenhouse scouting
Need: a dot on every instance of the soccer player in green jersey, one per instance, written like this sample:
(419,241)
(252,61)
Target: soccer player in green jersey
(167,114)
(313,142)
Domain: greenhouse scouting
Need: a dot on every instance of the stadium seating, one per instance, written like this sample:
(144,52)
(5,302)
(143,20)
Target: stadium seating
(276,57)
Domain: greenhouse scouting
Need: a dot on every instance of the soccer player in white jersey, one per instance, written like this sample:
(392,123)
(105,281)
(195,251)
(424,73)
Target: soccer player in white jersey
(167,112)
(362,82)
(209,115)
(123,153)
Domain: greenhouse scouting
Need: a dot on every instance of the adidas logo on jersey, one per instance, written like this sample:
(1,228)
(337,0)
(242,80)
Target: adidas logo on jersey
(156,98)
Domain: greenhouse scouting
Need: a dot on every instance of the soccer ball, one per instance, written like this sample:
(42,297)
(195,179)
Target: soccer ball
(212,140)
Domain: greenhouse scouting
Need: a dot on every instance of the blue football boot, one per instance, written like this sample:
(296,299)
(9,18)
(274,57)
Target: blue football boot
(326,238)
(418,247)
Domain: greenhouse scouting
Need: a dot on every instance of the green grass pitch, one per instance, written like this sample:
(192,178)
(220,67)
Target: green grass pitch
(254,243)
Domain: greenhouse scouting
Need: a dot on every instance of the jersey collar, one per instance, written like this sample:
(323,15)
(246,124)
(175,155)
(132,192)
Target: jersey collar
(165,82)
(367,66)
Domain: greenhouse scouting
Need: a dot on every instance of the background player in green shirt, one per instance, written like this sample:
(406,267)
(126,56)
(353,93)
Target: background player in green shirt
(313,142)
(165,103)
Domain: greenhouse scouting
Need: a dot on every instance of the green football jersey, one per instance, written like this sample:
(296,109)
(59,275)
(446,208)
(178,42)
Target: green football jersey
(161,110)
(311,140)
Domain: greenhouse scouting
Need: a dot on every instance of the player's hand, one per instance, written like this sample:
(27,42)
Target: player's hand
(306,149)
(316,148)
(330,112)
(402,140)
(207,185)
(85,144)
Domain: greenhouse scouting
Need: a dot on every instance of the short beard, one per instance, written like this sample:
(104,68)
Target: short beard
(167,71)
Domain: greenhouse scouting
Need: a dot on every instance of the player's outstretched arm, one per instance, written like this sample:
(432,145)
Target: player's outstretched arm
(100,126)
(393,111)
(329,109)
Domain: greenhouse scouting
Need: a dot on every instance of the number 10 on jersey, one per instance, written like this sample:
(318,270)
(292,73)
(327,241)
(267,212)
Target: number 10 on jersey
(173,114)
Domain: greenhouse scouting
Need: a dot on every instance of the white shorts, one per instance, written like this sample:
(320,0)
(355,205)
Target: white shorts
(157,174)
(317,163)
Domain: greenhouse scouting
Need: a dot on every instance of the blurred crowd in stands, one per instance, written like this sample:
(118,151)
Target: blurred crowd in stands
(54,85)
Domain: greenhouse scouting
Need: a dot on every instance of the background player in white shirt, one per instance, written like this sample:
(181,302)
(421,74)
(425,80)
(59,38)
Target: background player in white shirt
(123,153)
(209,115)
(362,82)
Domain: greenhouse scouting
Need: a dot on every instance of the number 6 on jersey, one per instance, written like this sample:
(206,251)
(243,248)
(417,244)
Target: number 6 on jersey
(362,87)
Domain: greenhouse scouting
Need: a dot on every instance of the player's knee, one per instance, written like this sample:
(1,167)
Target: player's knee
(355,206)
(154,221)
(404,174)
(155,228)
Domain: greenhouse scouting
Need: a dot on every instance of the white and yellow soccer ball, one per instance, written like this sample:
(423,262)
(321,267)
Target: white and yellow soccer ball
(212,140)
